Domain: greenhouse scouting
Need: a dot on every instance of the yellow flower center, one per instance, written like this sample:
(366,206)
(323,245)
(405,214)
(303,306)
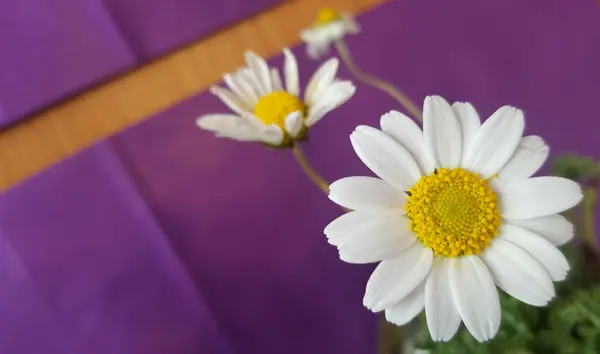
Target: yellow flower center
(327,15)
(276,106)
(453,212)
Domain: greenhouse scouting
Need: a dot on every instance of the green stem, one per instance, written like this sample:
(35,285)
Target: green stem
(310,172)
(380,84)
(589,216)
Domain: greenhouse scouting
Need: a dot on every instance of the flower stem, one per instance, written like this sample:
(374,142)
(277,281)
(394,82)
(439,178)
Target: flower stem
(309,170)
(589,208)
(384,86)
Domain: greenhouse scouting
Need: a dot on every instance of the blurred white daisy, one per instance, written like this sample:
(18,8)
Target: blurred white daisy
(453,214)
(329,28)
(269,112)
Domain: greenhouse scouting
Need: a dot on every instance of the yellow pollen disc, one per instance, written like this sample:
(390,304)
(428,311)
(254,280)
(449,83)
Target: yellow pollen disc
(327,15)
(276,106)
(453,212)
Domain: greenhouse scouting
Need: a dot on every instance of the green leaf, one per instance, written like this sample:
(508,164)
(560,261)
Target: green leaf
(568,325)
(577,168)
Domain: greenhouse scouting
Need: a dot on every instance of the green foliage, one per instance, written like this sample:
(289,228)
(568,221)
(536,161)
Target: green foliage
(569,325)
(578,168)
(586,171)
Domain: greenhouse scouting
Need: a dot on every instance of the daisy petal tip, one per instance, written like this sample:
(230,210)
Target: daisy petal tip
(364,129)
(579,196)
(561,277)
(332,195)
(356,134)
(515,112)
(343,257)
(367,302)
(377,308)
(201,122)
(438,338)
(372,304)
(351,87)
(293,123)
(435,99)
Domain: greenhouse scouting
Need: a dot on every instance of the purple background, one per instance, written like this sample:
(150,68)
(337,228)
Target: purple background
(53,49)
(164,239)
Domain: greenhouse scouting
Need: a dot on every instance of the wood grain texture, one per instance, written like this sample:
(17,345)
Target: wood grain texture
(70,126)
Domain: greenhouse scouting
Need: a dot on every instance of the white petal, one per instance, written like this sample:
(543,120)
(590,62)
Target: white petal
(495,142)
(311,35)
(475,296)
(385,157)
(215,122)
(442,135)
(395,278)
(337,231)
(317,44)
(242,88)
(292,84)
(329,99)
(228,126)
(366,238)
(238,91)
(333,31)
(538,196)
(317,49)
(408,308)
(272,135)
(322,78)
(469,123)
(367,193)
(442,315)
(260,69)
(350,25)
(276,80)
(555,228)
(247,76)
(229,99)
(539,248)
(406,132)
(253,121)
(530,155)
(517,273)
(293,123)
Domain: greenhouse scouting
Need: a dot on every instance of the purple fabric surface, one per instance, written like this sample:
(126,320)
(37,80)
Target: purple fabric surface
(166,239)
(51,49)
(154,27)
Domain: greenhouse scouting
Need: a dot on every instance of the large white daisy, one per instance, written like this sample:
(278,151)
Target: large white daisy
(329,28)
(453,214)
(269,112)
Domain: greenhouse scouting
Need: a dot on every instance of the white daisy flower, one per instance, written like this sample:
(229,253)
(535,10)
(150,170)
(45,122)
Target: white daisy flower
(453,214)
(329,28)
(269,112)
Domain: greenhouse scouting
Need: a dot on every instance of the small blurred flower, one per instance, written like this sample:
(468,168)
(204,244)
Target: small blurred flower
(268,112)
(453,214)
(330,27)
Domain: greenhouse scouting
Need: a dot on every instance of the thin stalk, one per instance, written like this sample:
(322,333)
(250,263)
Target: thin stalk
(380,84)
(312,174)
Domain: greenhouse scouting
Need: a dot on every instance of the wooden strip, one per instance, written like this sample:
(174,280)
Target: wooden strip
(61,131)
